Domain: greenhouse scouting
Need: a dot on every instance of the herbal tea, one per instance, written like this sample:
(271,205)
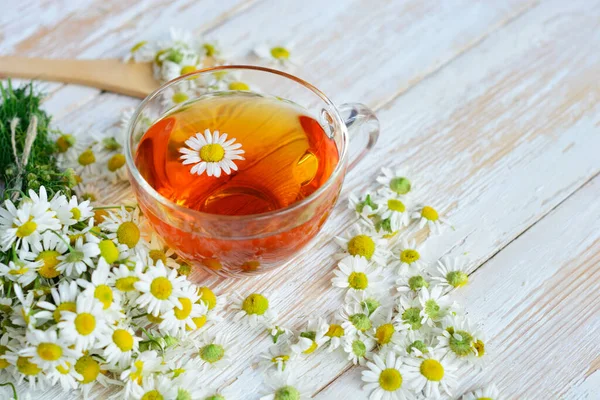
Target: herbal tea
(236,153)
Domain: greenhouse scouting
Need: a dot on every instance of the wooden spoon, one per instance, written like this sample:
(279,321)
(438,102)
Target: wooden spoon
(131,79)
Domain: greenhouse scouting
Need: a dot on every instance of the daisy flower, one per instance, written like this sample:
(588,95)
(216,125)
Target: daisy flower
(126,277)
(413,280)
(358,348)
(53,246)
(355,318)
(69,212)
(86,325)
(458,339)
(212,153)
(394,181)
(176,94)
(385,378)
(429,216)
(416,343)
(215,351)
(363,205)
(124,227)
(434,305)
(278,54)
(386,335)
(64,298)
(335,335)
(116,171)
(23,313)
(160,289)
(47,350)
(21,272)
(431,374)
(451,272)
(83,161)
(362,240)
(147,363)
(24,225)
(88,191)
(490,392)
(277,356)
(99,286)
(78,259)
(392,211)
(182,317)
(67,377)
(312,338)
(409,314)
(254,308)
(119,346)
(407,257)
(356,274)
(375,303)
(284,385)
(157,250)
(155,387)
(276,331)
(27,371)
(92,372)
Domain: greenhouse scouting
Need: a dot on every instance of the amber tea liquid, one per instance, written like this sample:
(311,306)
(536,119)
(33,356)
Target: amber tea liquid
(287,155)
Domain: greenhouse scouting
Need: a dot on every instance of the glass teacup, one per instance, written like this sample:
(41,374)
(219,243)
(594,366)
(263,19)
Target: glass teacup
(238,245)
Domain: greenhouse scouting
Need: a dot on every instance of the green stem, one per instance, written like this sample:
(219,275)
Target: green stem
(114,207)
(12,386)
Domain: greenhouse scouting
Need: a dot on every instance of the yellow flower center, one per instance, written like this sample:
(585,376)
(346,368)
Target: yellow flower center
(137,374)
(409,256)
(128,234)
(480,348)
(280,358)
(255,304)
(212,152)
(187,69)
(126,284)
(27,228)
(88,368)
(238,86)
(20,271)
(161,288)
(108,250)
(208,297)
(358,280)
(152,395)
(104,294)
(186,309)
(26,367)
(384,333)
(361,245)
(64,143)
(390,379)
(3,362)
(115,162)
(280,53)
(87,158)
(335,330)
(429,213)
(99,216)
(179,97)
(396,205)
(212,263)
(85,323)
(432,370)
(64,370)
(156,255)
(123,339)
(198,321)
(49,351)
(210,49)
(50,259)
(312,348)
(66,306)
(154,319)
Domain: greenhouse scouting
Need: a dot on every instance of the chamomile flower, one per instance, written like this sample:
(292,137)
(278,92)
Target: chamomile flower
(278,356)
(278,332)
(83,161)
(99,286)
(431,374)
(182,317)
(365,206)
(125,279)
(78,259)
(355,318)
(47,350)
(73,210)
(21,272)
(335,335)
(253,308)
(277,54)
(119,346)
(142,51)
(416,343)
(386,335)
(395,181)
(27,371)
(155,387)
(160,289)
(358,348)
(67,377)
(408,314)
(89,191)
(24,225)
(377,304)
(412,281)
(489,392)
(23,314)
(157,250)
(64,298)
(116,171)
(215,351)
(54,245)
(312,338)
(451,272)
(92,372)
(429,216)
(356,274)
(362,240)
(284,385)
(176,94)
(385,378)
(146,363)
(458,338)
(211,152)
(408,257)
(125,228)
(86,325)
(393,211)
(434,305)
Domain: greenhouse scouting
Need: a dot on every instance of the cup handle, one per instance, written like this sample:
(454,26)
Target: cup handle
(360,120)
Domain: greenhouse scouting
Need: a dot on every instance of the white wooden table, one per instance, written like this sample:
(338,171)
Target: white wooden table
(494,108)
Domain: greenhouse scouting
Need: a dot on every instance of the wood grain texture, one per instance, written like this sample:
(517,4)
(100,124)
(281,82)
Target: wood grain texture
(491,109)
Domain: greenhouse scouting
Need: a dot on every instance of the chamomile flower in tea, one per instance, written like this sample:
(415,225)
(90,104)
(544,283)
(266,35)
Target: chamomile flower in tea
(211,153)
